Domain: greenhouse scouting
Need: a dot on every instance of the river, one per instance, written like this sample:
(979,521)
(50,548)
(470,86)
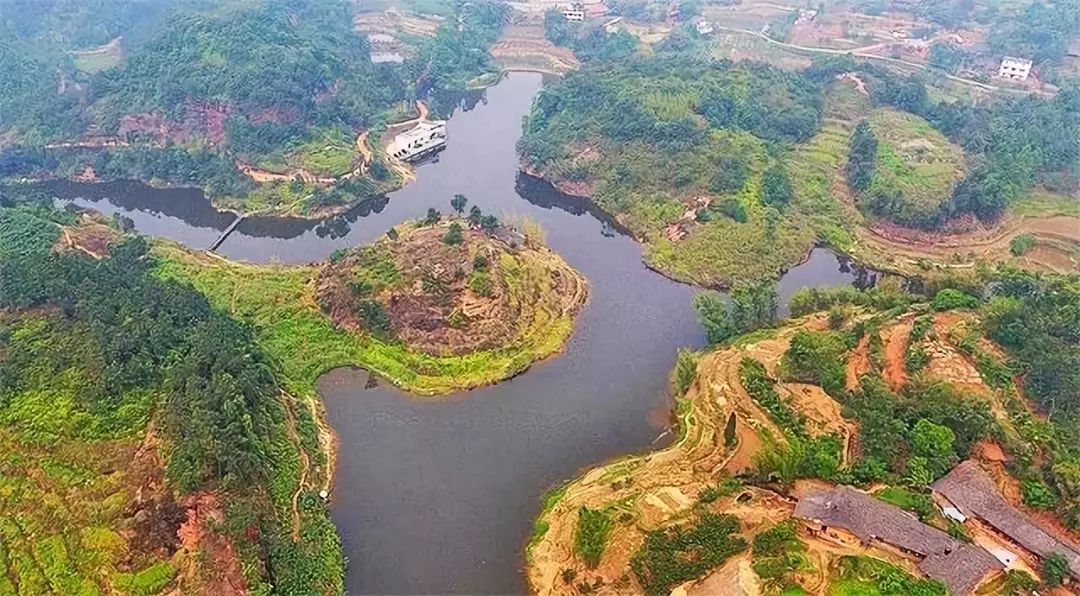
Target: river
(438,495)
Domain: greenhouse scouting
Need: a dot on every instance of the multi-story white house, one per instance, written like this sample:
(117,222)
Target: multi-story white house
(1016,69)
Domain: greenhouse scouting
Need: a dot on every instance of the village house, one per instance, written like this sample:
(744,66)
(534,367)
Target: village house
(1016,69)
(973,493)
(574,12)
(424,139)
(704,27)
(845,515)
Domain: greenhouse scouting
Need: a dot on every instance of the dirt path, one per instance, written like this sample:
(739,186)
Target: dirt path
(896,343)
(860,54)
(898,249)
(858,363)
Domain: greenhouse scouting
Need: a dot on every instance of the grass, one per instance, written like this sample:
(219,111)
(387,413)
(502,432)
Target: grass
(326,152)
(866,576)
(1042,203)
(66,473)
(917,167)
(279,302)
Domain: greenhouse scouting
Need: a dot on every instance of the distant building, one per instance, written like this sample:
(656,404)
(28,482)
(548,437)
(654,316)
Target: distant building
(704,27)
(612,26)
(1016,69)
(575,12)
(425,139)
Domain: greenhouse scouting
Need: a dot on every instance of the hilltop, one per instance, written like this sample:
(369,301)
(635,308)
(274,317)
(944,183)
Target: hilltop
(729,172)
(882,392)
(429,309)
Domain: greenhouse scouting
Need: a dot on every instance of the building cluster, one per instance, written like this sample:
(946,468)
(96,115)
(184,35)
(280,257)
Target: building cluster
(967,493)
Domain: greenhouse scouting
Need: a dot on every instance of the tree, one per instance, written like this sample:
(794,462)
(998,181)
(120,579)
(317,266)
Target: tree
(453,235)
(1054,570)
(863,157)
(433,216)
(750,307)
(458,203)
(475,216)
(488,223)
(946,57)
(935,443)
(730,175)
(776,187)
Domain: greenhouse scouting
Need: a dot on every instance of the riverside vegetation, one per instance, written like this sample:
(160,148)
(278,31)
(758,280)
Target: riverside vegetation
(206,87)
(158,421)
(730,172)
(831,395)
(145,439)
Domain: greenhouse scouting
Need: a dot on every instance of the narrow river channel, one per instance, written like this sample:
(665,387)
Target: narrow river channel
(438,495)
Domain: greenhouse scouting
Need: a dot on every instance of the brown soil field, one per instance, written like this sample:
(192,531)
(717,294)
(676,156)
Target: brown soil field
(484,293)
(523,47)
(91,234)
(904,250)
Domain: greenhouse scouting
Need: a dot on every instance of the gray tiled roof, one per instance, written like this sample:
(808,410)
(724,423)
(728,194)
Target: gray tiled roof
(974,493)
(960,566)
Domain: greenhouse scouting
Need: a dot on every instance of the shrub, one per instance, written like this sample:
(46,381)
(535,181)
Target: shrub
(673,555)
(685,370)
(1055,569)
(480,283)
(594,526)
(817,358)
(1038,495)
(453,235)
(1020,244)
(950,299)
(375,318)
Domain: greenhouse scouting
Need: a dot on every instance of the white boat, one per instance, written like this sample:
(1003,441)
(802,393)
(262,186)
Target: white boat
(419,142)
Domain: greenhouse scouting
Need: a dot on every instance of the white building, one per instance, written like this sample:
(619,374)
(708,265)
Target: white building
(704,27)
(612,26)
(423,140)
(574,12)
(1016,69)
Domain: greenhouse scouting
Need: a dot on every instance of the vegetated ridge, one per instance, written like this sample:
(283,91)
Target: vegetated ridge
(767,418)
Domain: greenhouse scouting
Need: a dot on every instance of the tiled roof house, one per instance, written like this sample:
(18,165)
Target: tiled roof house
(959,565)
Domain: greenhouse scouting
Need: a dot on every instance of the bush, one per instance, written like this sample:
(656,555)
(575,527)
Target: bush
(1020,244)
(671,556)
(1054,570)
(1038,495)
(594,527)
(453,235)
(685,370)
(480,283)
(817,358)
(950,299)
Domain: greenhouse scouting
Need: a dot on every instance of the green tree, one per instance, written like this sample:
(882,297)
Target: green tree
(863,157)
(776,187)
(593,528)
(433,216)
(1038,495)
(458,203)
(934,443)
(1055,569)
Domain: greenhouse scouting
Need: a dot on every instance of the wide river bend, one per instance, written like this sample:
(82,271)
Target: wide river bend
(437,495)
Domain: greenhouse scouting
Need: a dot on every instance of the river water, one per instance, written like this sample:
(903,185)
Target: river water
(438,495)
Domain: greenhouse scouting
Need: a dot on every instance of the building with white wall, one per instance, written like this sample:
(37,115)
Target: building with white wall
(1016,69)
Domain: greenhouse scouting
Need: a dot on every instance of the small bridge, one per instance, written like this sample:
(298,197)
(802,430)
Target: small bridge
(225,234)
